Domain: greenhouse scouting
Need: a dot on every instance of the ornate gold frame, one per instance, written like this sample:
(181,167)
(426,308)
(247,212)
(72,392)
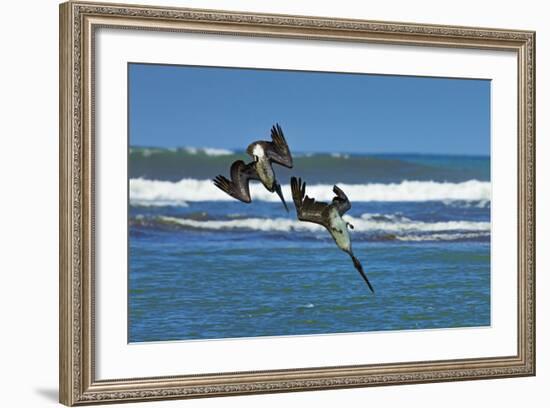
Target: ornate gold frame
(78,21)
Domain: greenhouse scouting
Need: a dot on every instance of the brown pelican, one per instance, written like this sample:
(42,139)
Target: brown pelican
(329,216)
(264,154)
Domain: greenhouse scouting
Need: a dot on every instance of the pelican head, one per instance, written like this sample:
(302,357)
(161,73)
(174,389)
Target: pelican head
(256,151)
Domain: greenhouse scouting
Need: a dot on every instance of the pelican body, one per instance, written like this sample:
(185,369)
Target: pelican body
(329,216)
(338,229)
(264,154)
(262,164)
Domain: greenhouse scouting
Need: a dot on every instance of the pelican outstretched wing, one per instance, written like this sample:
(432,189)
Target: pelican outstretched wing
(277,150)
(238,186)
(307,208)
(341,201)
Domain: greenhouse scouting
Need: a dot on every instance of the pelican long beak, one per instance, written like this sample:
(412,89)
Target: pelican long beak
(280,194)
(359,268)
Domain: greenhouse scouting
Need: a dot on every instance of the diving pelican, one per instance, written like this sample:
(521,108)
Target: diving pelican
(264,154)
(329,216)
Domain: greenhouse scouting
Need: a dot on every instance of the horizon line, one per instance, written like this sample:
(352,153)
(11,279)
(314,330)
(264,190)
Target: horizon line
(238,150)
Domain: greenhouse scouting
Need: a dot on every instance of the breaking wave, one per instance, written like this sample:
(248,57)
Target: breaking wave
(366,223)
(208,151)
(444,237)
(145,192)
(372,227)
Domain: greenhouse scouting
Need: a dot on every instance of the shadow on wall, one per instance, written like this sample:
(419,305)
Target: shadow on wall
(50,394)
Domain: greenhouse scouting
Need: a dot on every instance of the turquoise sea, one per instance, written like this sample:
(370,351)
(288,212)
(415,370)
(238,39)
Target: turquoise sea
(205,266)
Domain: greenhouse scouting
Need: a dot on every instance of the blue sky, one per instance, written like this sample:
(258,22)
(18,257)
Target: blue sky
(174,106)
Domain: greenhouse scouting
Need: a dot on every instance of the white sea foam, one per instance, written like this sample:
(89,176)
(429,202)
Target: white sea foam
(442,237)
(209,151)
(366,223)
(155,192)
(372,222)
(158,203)
(256,224)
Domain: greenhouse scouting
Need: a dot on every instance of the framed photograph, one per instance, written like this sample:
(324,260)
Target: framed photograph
(256,203)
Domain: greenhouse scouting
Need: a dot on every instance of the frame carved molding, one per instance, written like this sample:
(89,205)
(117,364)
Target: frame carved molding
(78,20)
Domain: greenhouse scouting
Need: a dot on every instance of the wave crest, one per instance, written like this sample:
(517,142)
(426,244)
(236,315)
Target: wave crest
(155,192)
(208,151)
(366,223)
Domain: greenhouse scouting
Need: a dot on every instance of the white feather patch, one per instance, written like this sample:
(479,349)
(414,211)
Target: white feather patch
(258,151)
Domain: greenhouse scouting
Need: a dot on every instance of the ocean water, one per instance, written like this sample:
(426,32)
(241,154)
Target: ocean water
(205,266)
